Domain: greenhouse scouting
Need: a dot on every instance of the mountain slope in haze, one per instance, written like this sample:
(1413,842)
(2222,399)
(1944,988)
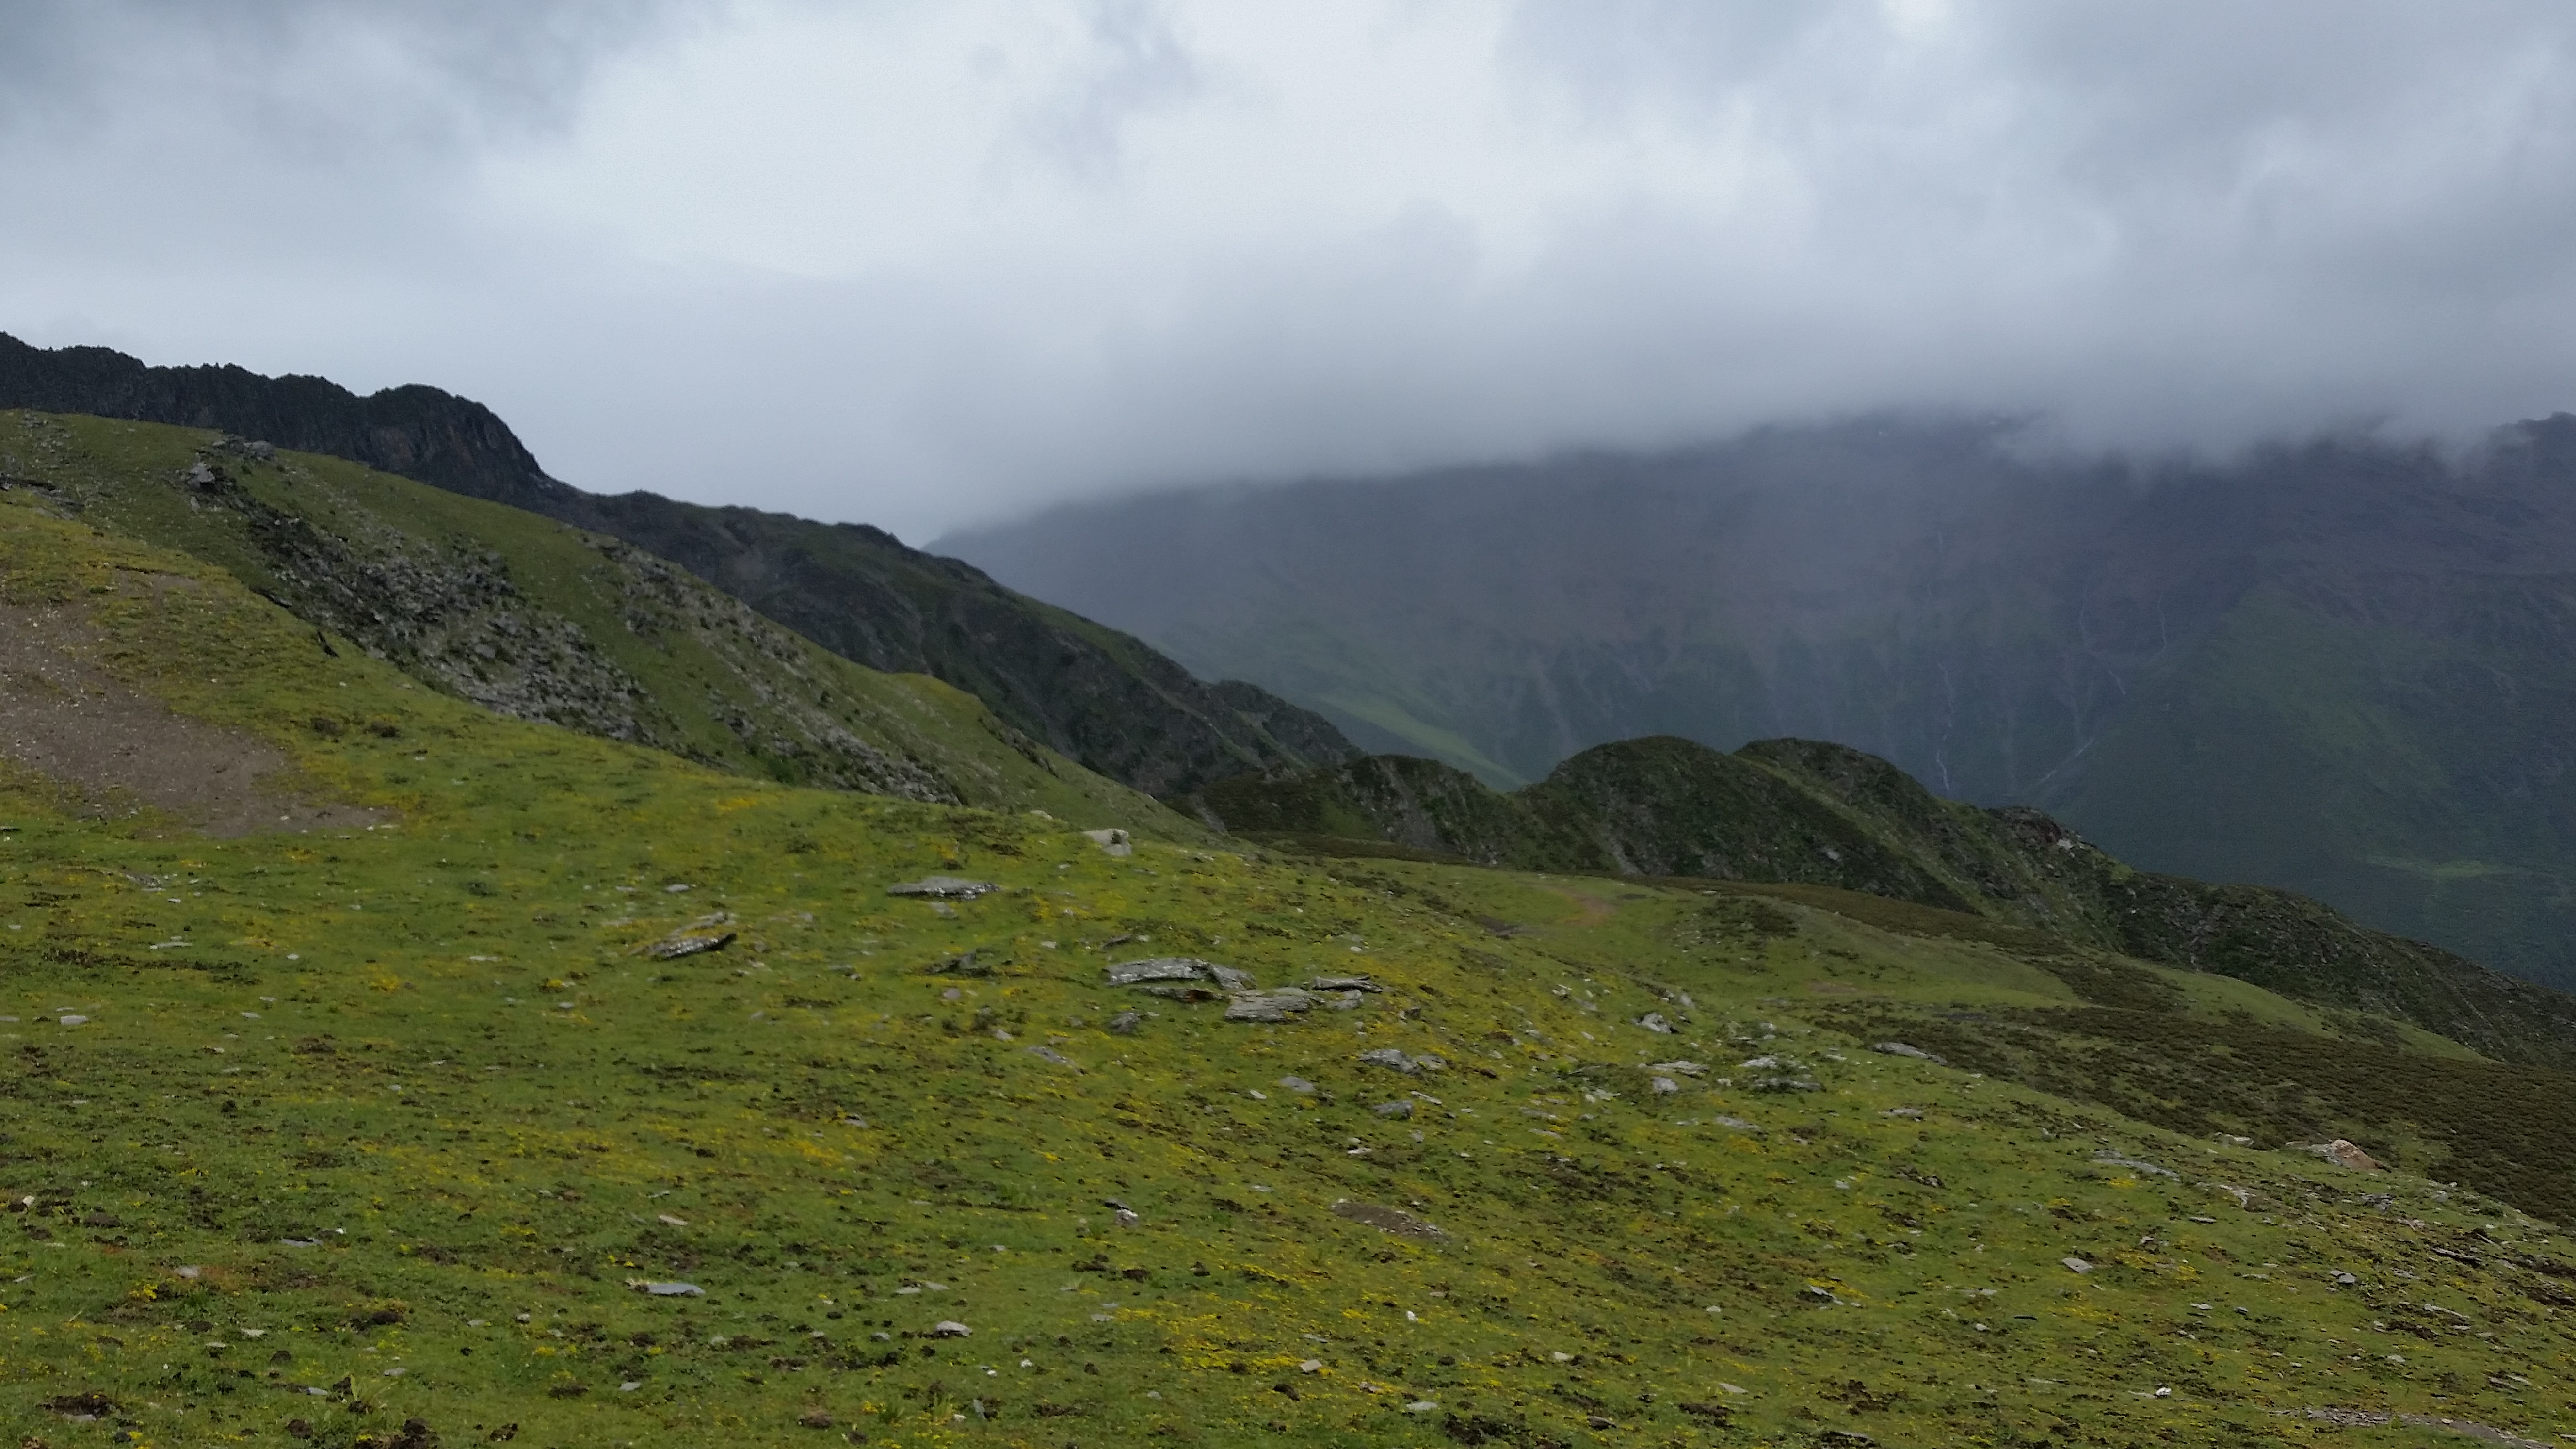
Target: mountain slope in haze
(2346,669)
(533,620)
(1091,693)
(407,1135)
(1809,813)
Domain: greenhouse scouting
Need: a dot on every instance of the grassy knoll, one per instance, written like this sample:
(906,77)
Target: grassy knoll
(312,1136)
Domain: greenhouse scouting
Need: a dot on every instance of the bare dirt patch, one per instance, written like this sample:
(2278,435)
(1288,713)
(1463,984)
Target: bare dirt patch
(124,752)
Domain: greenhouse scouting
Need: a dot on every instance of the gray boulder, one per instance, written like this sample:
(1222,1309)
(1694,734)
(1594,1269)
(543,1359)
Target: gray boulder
(1285,1004)
(1159,968)
(944,887)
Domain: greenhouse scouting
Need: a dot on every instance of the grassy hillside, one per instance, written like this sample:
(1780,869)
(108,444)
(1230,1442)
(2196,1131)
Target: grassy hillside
(381,1132)
(1806,812)
(540,621)
(1091,693)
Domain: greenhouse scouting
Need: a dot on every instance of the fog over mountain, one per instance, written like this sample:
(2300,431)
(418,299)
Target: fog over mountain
(2345,668)
(931,266)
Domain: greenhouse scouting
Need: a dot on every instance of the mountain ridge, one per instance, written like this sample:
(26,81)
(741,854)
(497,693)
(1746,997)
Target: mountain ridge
(2344,667)
(1811,813)
(1096,695)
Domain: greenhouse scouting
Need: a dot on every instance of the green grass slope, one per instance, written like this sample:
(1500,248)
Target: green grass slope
(540,621)
(378,1135)
(1807,812)
(1091,693)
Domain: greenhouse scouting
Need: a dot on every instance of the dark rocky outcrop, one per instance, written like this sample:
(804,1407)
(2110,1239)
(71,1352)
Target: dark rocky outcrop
(1101,697)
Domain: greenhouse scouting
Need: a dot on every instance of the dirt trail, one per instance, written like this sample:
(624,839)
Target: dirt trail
(64,718)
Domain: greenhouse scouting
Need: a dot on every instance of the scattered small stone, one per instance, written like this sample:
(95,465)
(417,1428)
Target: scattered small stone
(2113,1159)
(1737,1123)
(1112,842)
(1902,1112)
(1687,1069)
(666,1290)
(1762,1064)
(1283,1004)
(1392,1059)
(1386,1219)
(1787,1084)
(950,1328)
(1050,1054)
(1664,1086)
(964,963)
(1900,1049)
(1125,1023)
(1343,983)
(74,1020)
(944,887)
(2345,1280)
(1654,1021)
(2339,1152)
(1299,1085)
(1393,1109)
(2076,1265)
(815,1418)
(1311,1366)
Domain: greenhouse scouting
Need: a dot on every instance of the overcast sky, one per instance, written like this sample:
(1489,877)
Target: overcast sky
(927,264)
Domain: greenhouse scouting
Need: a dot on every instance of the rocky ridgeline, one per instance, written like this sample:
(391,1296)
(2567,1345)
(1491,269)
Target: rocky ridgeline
(450,613)
(1102,698)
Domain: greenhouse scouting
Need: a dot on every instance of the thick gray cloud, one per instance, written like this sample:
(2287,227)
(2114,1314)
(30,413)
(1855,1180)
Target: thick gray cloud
(925,264)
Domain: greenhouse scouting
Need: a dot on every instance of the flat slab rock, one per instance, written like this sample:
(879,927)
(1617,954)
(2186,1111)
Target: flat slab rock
(944,887)
(707,934)
(1284,1004)
(1178,968)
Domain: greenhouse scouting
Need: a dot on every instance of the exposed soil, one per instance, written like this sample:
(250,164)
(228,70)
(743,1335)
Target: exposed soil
(124,752)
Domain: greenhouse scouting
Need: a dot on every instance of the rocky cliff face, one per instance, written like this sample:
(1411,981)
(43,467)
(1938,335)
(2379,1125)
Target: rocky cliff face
(1103,698)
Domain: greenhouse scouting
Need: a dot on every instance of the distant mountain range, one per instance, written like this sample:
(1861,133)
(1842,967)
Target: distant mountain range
(1100,697)
(2346,668)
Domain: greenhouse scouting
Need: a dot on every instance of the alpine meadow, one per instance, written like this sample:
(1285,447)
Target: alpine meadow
(471,982)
